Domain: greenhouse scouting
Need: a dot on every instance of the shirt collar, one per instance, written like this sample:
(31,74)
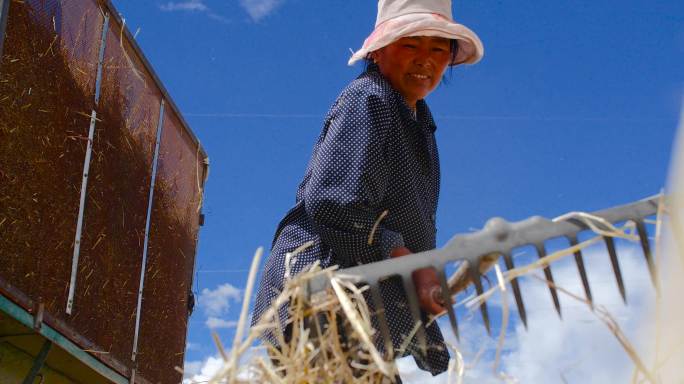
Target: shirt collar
(423,114)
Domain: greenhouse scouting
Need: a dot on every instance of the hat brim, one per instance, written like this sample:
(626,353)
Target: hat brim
(470,47)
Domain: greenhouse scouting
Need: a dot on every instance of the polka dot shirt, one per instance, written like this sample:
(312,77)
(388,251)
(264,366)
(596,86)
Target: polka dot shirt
(374,154)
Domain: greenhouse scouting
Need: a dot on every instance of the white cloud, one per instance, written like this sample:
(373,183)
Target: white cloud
(192,6)
(192,368)
(217,302)
(578,348)
(410,373)
(217,323)
(189,5)
(201,371)
(258,9)
(474,346)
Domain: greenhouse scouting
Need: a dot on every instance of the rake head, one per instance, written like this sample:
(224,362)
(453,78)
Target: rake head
(479,251)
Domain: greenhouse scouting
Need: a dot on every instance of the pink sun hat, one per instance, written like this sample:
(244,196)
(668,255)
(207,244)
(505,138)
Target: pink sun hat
(403,18)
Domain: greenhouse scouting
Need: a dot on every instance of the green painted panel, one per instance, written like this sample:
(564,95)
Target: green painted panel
(26,319)
(15,365)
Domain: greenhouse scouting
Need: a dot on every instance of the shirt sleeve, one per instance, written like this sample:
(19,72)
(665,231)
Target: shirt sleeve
(349,179)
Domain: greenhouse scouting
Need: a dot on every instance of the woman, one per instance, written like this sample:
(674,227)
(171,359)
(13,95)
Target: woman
(377,153)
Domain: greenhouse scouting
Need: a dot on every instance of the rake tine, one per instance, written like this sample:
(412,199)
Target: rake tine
(643,236)
(541,250)
(382,320)
(508,260)
(475,277)
(610,244)
(579,260)
(448,302)
(410,289)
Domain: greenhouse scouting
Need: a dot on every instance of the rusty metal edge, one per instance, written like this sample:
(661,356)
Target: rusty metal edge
(23,301)
(4,11)
(117,17)
(193,273)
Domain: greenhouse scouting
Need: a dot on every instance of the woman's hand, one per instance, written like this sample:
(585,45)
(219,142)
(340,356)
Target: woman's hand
(427,285)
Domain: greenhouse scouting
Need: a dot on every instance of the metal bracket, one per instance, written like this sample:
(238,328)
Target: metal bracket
(38,362)
(86,169)
(150,200)
(38,317)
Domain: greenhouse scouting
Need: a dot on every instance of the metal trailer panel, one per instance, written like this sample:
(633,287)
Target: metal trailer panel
(45,118)
(173,236)
(50,82)
(117,198)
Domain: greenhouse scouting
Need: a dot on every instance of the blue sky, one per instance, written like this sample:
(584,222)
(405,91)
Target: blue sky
(574,107)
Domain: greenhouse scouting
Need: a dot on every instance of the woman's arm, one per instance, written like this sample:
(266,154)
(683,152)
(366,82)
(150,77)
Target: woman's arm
(349,179)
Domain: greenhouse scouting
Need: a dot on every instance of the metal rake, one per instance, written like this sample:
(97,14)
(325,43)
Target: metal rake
(482,249)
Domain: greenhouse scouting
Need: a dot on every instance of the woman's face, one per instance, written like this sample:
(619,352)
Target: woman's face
(414,65)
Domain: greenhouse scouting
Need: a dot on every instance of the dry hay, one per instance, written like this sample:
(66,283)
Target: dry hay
(665,320)
(324,358)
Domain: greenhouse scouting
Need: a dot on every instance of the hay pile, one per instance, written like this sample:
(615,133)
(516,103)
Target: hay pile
(331,341)
(316,352)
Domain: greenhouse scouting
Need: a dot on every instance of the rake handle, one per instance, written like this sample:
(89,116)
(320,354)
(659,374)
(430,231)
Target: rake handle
(427,284)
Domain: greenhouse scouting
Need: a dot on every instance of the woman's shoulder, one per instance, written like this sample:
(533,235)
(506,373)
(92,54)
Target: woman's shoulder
(369,88)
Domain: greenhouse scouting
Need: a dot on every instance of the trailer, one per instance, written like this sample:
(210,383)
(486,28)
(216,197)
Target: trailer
(101,186)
